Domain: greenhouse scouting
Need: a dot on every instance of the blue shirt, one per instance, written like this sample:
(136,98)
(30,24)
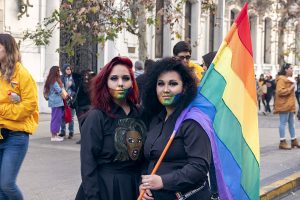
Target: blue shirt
(55,99)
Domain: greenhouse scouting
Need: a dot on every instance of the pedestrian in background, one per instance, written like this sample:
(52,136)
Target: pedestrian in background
(83,99)
(110,157)
(141,79)
(270,92)
(183,51)
(55,93)
(18,115)
(262,90)
(285,105)
(170,88)
(207,60)
(139,69)
(70,82)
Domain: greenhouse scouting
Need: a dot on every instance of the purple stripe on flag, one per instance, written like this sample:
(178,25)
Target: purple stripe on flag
(206,123)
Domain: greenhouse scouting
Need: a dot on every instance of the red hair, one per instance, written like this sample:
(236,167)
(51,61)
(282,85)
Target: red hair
(100,96)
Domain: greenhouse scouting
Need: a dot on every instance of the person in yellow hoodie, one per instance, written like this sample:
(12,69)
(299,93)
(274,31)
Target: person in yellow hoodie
(183,51)
(18,115)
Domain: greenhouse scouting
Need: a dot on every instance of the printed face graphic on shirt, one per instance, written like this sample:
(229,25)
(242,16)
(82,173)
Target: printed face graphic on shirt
(169,88)
(119,82)
(129,138)
(134,144)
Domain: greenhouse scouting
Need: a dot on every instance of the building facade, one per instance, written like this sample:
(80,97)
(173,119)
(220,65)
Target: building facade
(204,29)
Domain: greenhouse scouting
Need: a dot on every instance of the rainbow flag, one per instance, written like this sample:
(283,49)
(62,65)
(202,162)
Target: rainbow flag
(226,108)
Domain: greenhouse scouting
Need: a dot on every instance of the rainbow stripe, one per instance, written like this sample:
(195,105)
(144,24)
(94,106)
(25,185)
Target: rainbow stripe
(226,108)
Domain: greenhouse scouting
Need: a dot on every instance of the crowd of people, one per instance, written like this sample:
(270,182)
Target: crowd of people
(126,113)
(69,90)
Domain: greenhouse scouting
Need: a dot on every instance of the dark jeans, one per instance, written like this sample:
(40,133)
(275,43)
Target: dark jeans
(268,99)
(12,153)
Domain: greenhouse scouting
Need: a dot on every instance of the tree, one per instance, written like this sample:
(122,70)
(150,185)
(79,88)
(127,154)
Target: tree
(83,23)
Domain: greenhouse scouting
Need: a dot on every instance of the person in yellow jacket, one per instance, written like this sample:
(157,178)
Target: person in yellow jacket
(285,105)
(18,115)
(182,51)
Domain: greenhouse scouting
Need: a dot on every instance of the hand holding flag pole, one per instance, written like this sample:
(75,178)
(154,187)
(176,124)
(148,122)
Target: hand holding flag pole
(160,160)
(179,120)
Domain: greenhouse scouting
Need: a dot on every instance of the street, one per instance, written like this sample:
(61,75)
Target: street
(51,171)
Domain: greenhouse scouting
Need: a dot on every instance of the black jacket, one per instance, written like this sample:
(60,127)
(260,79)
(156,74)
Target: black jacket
(186,163)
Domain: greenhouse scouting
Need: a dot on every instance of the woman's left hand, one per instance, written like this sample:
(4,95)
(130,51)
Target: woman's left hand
(152,182)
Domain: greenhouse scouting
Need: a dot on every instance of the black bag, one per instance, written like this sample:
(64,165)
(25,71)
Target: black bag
(71,101)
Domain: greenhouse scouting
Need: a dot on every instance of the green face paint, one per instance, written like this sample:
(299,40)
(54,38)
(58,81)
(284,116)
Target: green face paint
(169,99)
(120,94)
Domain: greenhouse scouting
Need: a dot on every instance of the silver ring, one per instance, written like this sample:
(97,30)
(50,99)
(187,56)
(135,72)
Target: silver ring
(146,184)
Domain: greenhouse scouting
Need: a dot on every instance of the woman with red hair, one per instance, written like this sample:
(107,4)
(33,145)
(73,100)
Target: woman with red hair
(105,174)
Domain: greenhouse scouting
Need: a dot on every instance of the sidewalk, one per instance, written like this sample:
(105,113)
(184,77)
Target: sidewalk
(51,171)
(280,169)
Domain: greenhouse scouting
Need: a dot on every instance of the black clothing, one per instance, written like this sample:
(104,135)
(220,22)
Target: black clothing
(104,177)
(270,93)
(208,58)
(83,102)
(141,80)
(186,163)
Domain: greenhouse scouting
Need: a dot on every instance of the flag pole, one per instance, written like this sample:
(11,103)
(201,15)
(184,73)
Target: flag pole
(159,160)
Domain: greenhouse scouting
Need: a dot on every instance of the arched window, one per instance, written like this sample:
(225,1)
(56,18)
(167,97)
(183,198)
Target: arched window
(188,22)
(159,29)
(267,41)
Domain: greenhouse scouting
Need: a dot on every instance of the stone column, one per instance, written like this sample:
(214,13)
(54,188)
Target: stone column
(51,56)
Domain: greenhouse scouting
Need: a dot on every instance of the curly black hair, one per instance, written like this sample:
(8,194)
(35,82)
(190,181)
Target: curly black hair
(151,104)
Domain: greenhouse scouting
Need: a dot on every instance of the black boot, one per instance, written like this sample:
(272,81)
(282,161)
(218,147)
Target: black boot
(70,135)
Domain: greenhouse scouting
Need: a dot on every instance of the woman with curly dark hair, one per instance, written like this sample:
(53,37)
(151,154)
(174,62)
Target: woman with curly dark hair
(107,173)
(170,89)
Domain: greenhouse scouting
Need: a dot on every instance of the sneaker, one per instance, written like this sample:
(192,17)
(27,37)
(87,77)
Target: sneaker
(57,139)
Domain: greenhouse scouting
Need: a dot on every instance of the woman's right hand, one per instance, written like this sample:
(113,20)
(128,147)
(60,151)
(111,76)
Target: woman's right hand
(147,195)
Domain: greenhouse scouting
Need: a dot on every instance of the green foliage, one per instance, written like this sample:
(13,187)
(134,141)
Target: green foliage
(82,21)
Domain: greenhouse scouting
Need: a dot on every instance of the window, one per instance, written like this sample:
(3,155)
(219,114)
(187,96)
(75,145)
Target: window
(253,30)
(267,41)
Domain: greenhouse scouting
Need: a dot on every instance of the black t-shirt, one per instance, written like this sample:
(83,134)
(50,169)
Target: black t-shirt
(98,151)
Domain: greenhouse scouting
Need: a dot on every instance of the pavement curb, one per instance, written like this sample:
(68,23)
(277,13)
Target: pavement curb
(280,187)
